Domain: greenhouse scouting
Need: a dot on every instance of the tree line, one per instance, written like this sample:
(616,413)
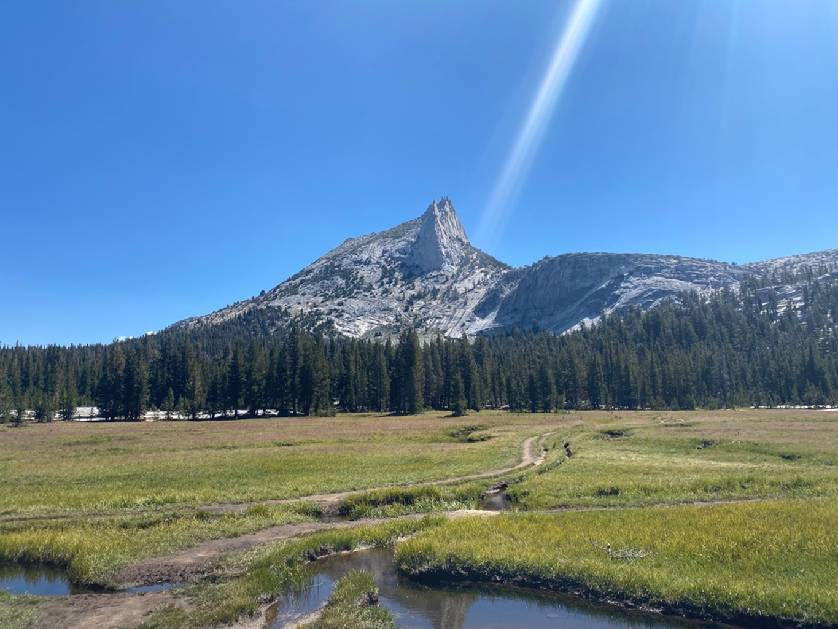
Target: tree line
(747,347)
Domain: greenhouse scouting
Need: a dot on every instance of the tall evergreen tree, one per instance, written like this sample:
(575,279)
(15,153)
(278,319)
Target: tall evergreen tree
(134,387)
(235,382)
(407,381)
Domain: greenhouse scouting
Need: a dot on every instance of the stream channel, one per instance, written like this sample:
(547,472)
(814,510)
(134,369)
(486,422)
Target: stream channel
(446,606)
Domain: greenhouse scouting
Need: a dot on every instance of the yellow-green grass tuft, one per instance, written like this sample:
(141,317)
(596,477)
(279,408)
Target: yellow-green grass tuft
(773,560)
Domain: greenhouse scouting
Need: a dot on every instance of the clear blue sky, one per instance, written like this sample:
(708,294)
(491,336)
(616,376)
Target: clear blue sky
(161,159)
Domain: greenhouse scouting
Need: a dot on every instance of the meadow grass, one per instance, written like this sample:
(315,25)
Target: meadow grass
(84,468)
(354,603)
(636,459)
(754,561)
(17,611)
(92,549)
(125,492)
(393,502)
(259,576)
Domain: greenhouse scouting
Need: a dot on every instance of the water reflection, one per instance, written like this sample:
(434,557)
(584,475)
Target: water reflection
(416,606)
(495,501)
(35,579)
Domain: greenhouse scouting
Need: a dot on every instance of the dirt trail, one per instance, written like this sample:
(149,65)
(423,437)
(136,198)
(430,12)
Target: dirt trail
(103,611)
(190,563)
(186,564)
(532,454)
(122,609)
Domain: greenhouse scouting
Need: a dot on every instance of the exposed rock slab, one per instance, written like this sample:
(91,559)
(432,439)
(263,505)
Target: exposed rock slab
(425,273)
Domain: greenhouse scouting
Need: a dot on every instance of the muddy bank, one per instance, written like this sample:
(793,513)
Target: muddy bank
(193,563)
(103,611)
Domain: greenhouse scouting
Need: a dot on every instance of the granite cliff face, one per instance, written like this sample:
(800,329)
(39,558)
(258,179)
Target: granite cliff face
(441,243)
(560,293)
(425,273)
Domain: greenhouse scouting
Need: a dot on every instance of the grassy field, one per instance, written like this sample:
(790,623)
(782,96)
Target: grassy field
(93,548)
(745,561)
(100,497)
(17,611)
(102,467)
(127,492)
(627,459)
(388,503)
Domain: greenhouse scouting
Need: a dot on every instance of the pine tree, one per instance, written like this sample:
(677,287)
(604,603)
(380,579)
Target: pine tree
(67,400)
(254,380)
(546,389)
(379,380)
(134,388)
(234,382)
(294,357)
(470,377)
(109,390)
(457,396)
(321,401)
(5,399)
(195,399)
(533,392)
(45,408)
(407,382)
(20,409)
(168,405)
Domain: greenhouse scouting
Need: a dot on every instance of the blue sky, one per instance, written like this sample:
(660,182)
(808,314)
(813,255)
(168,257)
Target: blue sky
(162,159)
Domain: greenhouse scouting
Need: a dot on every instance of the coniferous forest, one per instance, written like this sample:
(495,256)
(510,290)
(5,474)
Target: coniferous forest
(730,349)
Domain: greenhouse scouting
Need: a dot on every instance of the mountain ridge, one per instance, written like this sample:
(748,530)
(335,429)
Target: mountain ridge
(426,273)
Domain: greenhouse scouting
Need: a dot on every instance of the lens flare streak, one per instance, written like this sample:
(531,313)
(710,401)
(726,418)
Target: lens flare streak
(544,103)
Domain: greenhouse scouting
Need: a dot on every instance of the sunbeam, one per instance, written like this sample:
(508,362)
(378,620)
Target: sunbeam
(532,130)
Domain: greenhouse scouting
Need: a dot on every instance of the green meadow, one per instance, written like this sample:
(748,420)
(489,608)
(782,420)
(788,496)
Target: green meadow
(633,459)
(746,562)
(92,468)
(714,514)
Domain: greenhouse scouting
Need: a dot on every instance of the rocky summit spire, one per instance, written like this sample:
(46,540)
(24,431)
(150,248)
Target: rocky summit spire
(425,273)
(441,241)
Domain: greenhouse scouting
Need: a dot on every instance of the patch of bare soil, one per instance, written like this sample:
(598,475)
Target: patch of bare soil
(190,563)
(103,611)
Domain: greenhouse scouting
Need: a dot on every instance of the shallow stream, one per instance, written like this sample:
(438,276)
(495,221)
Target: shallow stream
(417,606)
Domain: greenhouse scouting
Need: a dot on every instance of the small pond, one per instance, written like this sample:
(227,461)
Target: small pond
(417,606)
(45,580)
(39,580)
(495,501)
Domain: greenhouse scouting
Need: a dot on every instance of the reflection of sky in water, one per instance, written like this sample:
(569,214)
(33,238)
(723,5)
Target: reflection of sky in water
(42,580)
(38,580)
(418,607)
